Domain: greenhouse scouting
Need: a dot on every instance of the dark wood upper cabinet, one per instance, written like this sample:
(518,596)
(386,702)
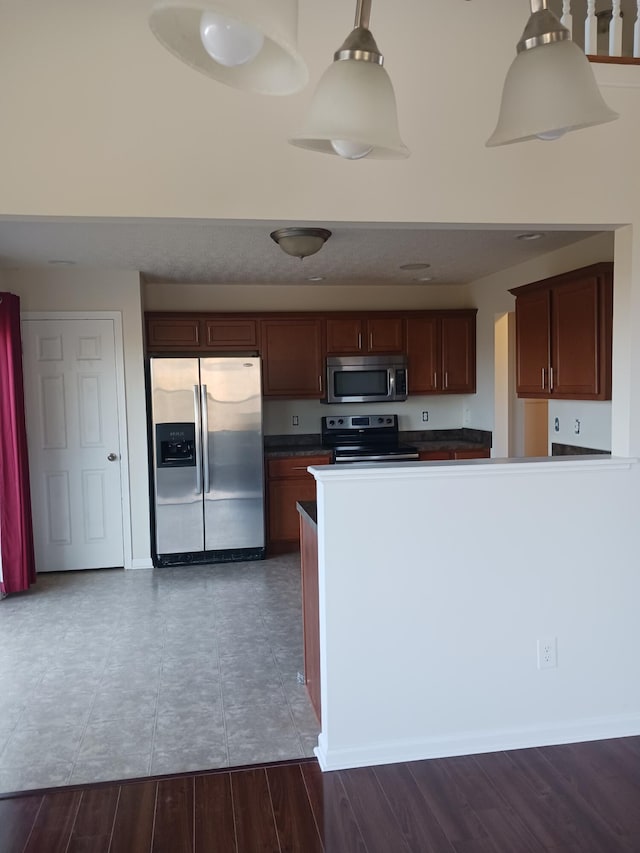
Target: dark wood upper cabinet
(564,335)
(293,357)
(191,332)
(441,351)
(458,348)
(533,335)
(232,334)
(172,332)
(357,335)
(440,345)
(344,335)
(423,354)
(385,334)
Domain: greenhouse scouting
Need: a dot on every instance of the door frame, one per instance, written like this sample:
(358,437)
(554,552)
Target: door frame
(116,318)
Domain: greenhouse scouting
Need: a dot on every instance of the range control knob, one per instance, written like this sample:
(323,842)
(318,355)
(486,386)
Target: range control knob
(380,420)
(389,420)
(340,421)
(332,422)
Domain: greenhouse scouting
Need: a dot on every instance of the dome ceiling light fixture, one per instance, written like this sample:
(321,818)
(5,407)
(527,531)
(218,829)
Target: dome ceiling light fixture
(550,88)
(353,112)
(300,242)
(247,44)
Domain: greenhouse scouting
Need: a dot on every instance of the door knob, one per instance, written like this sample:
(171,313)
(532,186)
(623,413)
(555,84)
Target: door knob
(112,457)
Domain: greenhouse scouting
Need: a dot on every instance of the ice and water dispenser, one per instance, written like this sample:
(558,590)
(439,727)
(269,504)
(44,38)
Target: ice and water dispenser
(176,445)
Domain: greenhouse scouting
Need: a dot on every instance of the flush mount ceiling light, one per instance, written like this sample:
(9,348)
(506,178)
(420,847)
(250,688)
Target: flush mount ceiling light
(353,112)
(247,44)
(300,242)
(550,87)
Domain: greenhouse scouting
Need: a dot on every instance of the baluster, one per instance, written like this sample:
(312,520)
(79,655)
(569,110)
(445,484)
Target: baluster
(591,29)
(615,30)
(567,18)
(636,32)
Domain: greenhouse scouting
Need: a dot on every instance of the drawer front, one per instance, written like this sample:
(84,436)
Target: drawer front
(294,466)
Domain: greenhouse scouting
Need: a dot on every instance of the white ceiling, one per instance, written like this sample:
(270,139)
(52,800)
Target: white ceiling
(205,251)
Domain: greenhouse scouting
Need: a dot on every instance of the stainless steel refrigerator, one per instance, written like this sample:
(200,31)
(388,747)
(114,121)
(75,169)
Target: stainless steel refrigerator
(206,416)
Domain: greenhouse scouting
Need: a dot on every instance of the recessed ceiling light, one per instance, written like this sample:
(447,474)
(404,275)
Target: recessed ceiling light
(530,235)
(316,278)
(414,266)
(424,278)
(62,263)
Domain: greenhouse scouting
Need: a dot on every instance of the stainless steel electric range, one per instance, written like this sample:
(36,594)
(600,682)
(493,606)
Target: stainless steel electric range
(365,438)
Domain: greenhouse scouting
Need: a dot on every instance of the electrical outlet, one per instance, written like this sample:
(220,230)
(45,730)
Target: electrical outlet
(425,416)
(294,420)
(548,653)
(466,416)
(576,427)
(556,424)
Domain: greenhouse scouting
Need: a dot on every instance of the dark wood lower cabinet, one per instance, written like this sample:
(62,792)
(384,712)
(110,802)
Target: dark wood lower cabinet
(288,482)
(449,455)
(310,609)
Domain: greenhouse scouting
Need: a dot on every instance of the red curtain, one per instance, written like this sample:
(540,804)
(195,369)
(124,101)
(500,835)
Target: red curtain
(16,531)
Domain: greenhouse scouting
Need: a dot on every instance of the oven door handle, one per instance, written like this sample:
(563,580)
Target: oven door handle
(383,457)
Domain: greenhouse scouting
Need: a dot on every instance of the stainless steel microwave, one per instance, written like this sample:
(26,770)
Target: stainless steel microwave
(366,378)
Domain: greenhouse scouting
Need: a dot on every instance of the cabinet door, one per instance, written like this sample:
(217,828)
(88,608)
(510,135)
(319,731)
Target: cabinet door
(284,525)
(481,453)
(422,354)
(433,455)
(172,334)
(533,311)
(576,339)
(458,351)
(292,358)
(231,334)
(344,335)
(288,481)
(385,334)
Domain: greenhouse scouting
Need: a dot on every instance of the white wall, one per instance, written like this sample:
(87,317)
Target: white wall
(444,412)
(429,639)
(75,289)
(594,423)
(307,297)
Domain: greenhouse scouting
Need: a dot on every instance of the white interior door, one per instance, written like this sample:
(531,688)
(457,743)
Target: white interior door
(71,406)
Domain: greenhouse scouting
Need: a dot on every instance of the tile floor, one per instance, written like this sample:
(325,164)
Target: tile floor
(110,674)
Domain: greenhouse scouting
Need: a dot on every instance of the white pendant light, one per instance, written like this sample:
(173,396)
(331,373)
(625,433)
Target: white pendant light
(353,112)
(247,44)
(550,87)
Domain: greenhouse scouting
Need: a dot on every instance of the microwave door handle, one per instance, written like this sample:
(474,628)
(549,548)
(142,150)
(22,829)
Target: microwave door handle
(392,384)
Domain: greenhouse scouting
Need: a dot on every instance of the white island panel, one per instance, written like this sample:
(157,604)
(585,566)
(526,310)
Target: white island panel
(436,582)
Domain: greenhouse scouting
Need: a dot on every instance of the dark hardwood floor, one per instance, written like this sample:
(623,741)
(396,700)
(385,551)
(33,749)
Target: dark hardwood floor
(578,798)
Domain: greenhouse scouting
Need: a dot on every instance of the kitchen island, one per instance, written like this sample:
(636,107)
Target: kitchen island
(438,584)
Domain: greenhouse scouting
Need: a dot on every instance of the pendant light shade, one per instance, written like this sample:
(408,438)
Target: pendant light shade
(353,110)
(254,41)
(550,88)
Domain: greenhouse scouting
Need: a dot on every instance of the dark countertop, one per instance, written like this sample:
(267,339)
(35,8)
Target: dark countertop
(295,450)
(276,446)
(309,510)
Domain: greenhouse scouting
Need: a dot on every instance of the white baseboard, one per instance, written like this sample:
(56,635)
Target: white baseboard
(143,563)
(470,743)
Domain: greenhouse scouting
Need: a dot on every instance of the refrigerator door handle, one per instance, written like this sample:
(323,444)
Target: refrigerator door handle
(205,437)
(196,409)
